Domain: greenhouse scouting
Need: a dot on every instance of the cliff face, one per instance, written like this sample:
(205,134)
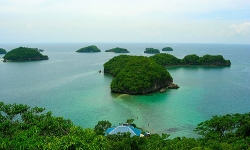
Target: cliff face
(156,87)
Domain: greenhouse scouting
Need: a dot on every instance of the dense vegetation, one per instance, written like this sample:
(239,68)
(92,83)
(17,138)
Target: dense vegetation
(24,53)
(167,49)
(136,74)
(140,75)
(118,50)
(206,60)
(89,49)
(2,51)
(22,127)
(166,59)
(151,51)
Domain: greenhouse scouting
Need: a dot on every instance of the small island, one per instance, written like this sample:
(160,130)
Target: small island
(2,51)
(24,54)
(167,49)
(136,75)
(142,75)
(89,49)
(118,50)
(192,59)
(151,51)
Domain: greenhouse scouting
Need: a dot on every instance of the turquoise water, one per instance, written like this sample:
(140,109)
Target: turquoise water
(69,85)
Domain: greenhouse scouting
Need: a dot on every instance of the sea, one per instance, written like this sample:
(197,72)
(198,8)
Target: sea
(69,85)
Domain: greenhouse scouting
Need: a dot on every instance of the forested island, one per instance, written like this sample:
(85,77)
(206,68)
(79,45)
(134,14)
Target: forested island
(206,60)
(136,75)
(118,50)
(2,51)
(89,49)
(24,54)
(167,49)
(151,51)
(23,127)
(142,75)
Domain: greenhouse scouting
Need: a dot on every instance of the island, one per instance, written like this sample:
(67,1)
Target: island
(118,50)
(167,49)
(151,51)
(192,59)
(136,75)
(24,54)
(2,51)
(89,49)
(142,75)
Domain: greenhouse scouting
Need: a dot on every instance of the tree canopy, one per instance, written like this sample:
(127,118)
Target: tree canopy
(167,49)
(89,49)
(136,74)
(192,59)
(118,50)
(23,127)
(214,60)
(24,53)
(2,51)
(151,51)
(166,59)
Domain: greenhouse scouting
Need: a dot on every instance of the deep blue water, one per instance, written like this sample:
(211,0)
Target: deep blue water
(69,85)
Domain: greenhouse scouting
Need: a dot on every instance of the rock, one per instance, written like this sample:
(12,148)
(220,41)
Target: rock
(173,86)
(163,90)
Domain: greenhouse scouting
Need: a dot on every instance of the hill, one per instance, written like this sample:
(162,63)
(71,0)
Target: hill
(136,75)
(2,51)
(24,54)
(167,49)
(89,49)
(118,50)
(151,51)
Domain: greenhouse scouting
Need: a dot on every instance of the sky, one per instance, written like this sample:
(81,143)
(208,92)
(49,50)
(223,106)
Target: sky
(154,21)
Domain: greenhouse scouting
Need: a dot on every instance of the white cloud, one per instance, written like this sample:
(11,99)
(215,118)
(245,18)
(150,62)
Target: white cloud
(243,28)
(129,20)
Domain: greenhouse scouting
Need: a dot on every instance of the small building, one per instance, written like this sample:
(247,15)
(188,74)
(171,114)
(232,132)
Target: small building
(124,128)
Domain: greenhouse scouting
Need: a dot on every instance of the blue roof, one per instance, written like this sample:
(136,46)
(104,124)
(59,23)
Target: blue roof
(123,129)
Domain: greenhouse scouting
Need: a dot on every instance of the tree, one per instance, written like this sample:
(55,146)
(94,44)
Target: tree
(191,60)
(102,126)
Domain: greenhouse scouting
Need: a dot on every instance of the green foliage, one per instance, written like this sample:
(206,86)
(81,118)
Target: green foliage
(151,51)
(89,49)
(118,50)
(214,60)
(170,60)
(165,59)
(116,64)
(2,51)
(139,75)
(19,122)
(191,60)
(233,129)
(167,49)
(22,127)
(24,53)
(102,126)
